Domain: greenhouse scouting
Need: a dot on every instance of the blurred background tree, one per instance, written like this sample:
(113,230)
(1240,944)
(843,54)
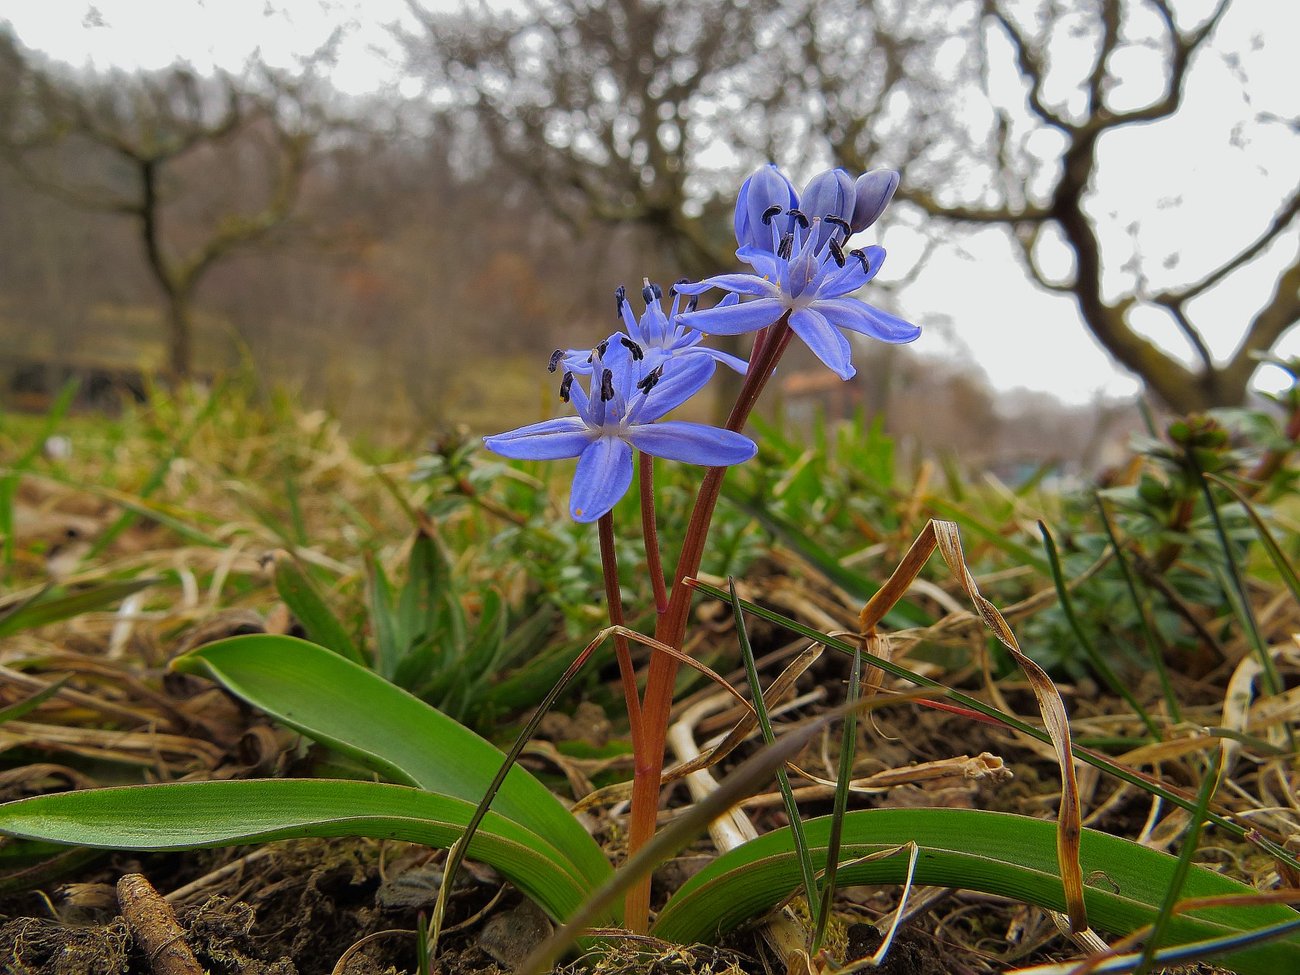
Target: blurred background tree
(430,252)
(639,110)
(127,144)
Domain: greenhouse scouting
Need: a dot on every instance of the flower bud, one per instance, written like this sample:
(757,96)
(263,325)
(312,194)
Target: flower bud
(872,193)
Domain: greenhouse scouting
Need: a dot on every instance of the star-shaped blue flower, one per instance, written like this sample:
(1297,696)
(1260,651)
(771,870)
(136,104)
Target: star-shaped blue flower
(652,340)
(796,246)
(617,414)
(813,288)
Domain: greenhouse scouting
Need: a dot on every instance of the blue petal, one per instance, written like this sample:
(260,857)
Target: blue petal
(567,436)
(828,194)
(683,377)
(765,187)
(726,358)
(748,316)
(825,341)
(745,284)
(602,478)
(692,443)
(858,317)
(764,262)
(580,402)
(851,277)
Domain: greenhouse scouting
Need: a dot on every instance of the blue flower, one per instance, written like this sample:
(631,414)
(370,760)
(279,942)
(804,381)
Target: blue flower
(615,415)
(767,207)
(652,340)
(801,266)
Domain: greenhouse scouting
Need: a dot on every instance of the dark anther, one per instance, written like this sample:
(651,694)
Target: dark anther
(602,348)
(651,379)
(784,248)
(556,356)
(771,212)
(840,222)
(861,255)
(693,303)
(606,385)
(565,385)
(637,353)
(620,296)
(837,251)
(651,293)
(680,281)
(800,216)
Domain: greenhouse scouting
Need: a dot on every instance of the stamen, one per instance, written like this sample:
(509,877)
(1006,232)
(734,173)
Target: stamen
(693,303)
(607,386)
(774,210)
(840,222)
(673,288)
(651,293)
(651,379)
(801,217)
(620,296)
(837,251)
(556,356)
(602,348)
(637,353)
(565,385)
(861,255)
(786,247)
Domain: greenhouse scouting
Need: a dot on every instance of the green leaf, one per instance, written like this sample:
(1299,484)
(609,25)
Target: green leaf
(361,715)
(997,853)
(51,605)
(304,601)
(19,708)
(190,815)
(801,541)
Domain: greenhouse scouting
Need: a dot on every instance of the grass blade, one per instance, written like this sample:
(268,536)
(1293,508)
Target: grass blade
(1095,659)
(806,869)
(1094,758)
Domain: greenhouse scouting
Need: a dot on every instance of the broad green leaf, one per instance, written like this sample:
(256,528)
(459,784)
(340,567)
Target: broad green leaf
(997,853)
(358,713)
(190,815)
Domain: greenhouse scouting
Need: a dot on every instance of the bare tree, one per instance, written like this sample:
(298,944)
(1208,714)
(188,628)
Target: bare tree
(1008,180)
(648,111)
(147,130)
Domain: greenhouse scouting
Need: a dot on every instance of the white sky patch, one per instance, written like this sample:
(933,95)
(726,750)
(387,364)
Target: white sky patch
(1186,200)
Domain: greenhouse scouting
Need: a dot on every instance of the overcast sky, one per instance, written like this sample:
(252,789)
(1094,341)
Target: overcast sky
(1195,190)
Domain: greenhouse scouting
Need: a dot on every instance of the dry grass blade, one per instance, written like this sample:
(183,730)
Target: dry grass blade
(945,536)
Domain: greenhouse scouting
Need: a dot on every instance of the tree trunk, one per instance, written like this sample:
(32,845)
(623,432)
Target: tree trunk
(180,326)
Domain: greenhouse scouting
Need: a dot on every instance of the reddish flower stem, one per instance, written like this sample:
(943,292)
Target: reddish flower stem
(671,630)
(614,603)
(650,531)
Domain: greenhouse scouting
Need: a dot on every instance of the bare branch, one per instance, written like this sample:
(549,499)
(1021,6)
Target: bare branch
(1281,221)
(1182,47)
(1032,68)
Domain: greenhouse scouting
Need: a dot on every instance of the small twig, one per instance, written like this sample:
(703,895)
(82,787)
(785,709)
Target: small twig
(156,930)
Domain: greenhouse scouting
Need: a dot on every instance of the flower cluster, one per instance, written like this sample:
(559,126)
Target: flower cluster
(803,274)
(632,383)
(796,245)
